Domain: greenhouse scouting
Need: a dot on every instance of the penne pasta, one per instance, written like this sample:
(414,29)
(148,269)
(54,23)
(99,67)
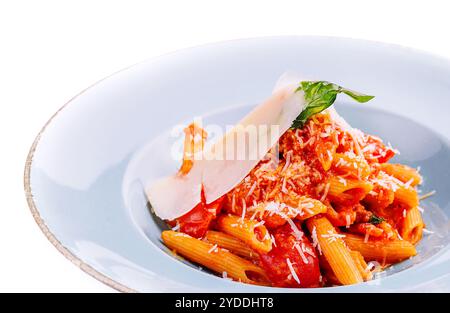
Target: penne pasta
(402,172)
(385,251)
(231,243)
(412,226)
(361,265)
(327,272)
(216,259)
(309,208)
(300,208)
(344,190)
(342,218)
(406,195)
(251,232)
(379,198)
(325,153)
(355,166)
(335,251)
(366,229)
(403,193)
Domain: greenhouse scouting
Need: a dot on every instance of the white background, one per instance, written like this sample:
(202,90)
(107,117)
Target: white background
(51,50)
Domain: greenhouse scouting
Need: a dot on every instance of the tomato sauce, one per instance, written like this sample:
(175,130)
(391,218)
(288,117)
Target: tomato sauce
(276,266)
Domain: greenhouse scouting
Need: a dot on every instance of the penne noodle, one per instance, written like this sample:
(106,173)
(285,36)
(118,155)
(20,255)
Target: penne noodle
(231,243)
(300,208)
(402,172)
(361,265)
(366,229)
(345,164)
(327,272)
(380,197)
(309,208)
(388,230)
(216,259)
(251,232)
(412,226)
(335,251)
(325,154)
(342,218)
(403,193)
(348,190)
(407,195)
(386,251)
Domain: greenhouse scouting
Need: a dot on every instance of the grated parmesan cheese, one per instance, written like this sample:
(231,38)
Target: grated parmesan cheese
(302,254)
(325,193)
(408,183)
(250,192)
(297,232)
(273,240)
(308,250)
(343,181)
(348,221)
(332,237)
(283,186)
(213,249)
(244,209)
(399,237)
(258,224)
(366,238)
(293,273)
(316,243)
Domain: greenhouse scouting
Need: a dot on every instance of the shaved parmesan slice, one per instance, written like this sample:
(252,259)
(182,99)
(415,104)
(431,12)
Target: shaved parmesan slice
(165,195)
(232,157)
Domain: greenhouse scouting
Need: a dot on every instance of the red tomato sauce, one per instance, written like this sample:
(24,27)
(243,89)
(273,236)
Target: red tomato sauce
(275,262)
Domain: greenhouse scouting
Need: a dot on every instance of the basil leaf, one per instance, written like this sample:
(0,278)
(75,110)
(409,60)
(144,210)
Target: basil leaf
(375,220)
(320,95)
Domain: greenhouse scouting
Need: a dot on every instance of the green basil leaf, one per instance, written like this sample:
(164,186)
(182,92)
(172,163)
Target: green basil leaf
(320,95)
(375,220)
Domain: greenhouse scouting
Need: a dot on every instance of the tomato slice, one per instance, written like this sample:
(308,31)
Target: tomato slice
(276,266)
(197,221)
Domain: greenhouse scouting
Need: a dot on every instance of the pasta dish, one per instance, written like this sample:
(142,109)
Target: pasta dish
(322,206)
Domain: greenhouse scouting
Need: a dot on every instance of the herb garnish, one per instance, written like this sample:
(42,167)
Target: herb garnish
(320,95)
(375,220)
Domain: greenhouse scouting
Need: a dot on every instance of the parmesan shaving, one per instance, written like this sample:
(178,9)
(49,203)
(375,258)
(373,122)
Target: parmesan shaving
(332,237)
(302,254)
(213,249)
(293,273)
(175,195)
(316,243)
(297,232)
(325,193)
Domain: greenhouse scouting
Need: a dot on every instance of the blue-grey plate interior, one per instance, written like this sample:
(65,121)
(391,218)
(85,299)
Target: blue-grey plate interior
(90,164)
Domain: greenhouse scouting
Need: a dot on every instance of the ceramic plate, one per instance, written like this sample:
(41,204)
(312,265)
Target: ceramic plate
(86,170)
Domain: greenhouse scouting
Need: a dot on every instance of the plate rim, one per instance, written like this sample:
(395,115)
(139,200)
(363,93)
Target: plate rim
(35,211)
(88,269)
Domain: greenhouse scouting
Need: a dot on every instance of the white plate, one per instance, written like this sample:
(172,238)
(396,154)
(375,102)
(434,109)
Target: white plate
(84,176)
